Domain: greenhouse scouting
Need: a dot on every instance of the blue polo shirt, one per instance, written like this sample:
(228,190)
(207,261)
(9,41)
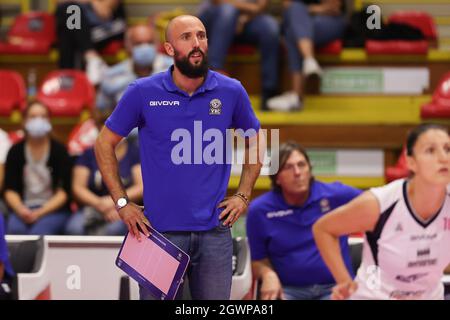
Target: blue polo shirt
(182,145)
(4,257)
(283,233)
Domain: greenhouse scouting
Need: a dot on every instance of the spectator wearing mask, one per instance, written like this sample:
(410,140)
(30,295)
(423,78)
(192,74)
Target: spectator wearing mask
(37,178)
(144,60)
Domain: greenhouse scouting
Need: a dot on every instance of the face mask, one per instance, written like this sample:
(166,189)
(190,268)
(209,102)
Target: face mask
(144,54)
(38,127)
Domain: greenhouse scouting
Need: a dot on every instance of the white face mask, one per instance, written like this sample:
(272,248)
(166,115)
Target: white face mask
(144,54)
(38,127)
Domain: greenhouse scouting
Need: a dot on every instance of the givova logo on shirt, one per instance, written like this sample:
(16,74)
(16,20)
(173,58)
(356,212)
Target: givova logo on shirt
(279,214)
(157,103)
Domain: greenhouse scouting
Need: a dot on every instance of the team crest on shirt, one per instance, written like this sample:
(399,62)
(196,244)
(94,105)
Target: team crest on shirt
(324,205)
(215,107)
(399,227)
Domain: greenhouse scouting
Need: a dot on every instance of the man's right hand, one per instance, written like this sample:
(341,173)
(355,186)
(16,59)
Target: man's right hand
(133,216)
(271,287)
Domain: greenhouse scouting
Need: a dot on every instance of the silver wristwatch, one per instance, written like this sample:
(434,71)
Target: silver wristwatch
(121,202)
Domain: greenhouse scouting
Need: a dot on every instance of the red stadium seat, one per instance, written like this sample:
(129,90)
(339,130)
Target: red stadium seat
(12,92)
(439,107)
(416,19)
(66,93)
(334,47)
(400,170)
(82,137)
(396,47)
(31,33)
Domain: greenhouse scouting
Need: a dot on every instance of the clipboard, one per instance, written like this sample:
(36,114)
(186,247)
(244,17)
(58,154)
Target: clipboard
(155,263)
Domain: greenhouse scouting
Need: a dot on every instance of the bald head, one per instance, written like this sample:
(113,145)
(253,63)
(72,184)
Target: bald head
(179,24)
(187,43)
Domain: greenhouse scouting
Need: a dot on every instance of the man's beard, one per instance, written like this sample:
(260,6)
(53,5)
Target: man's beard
(190,70)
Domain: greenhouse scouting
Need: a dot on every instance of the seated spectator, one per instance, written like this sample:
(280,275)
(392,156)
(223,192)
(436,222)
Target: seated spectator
(98,214)
(307,23)
(101,22)
(243,21)
(285,258)
(37,178)
(144,60)
(6,271)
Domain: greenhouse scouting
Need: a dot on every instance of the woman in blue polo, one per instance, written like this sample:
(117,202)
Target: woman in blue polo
(285,258)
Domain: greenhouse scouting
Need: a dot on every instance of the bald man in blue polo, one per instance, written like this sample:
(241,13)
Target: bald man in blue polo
(184,116)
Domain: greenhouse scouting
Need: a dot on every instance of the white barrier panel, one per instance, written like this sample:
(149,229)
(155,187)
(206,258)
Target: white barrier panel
(83,267)
(36,284)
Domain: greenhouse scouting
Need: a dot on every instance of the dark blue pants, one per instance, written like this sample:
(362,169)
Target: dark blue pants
(299,24)
(263,30)
(53,223)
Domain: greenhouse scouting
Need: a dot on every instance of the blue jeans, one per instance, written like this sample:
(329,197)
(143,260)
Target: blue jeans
(210,268)
(263,30)
(299,24)
(314,292)
(50,224)
(77,226)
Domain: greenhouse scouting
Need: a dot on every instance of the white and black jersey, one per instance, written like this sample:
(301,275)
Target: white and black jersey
(404,256)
